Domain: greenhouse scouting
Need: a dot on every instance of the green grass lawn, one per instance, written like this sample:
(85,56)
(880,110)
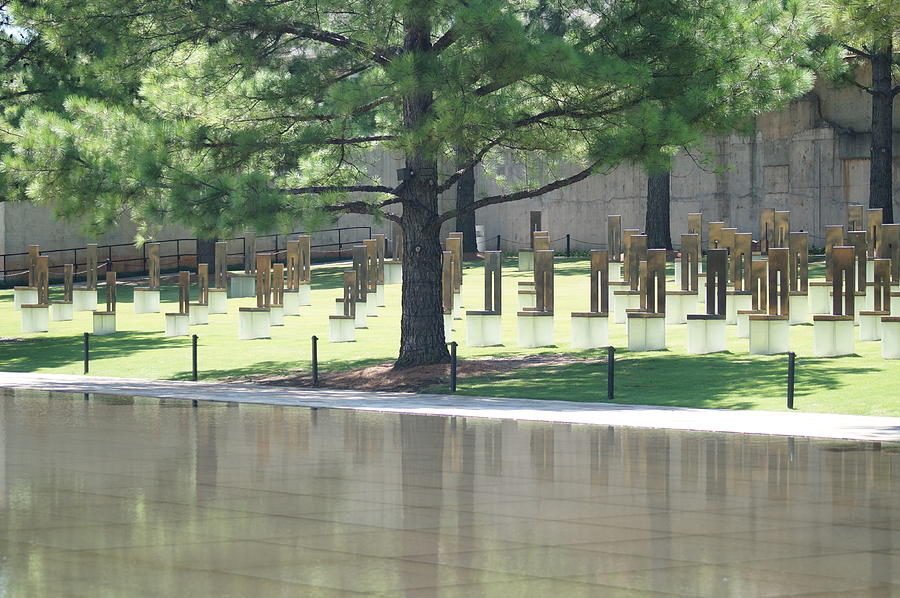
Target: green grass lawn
(864,383)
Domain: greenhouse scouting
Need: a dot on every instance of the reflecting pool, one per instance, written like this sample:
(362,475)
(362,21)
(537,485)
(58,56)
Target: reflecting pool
(114,496)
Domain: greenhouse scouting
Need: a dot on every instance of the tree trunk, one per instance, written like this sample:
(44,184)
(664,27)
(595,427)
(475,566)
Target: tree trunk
(465,195)
(881,151)
(422,321)
(659,235)
(206,253)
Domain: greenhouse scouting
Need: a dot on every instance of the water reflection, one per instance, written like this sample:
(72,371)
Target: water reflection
(121,496)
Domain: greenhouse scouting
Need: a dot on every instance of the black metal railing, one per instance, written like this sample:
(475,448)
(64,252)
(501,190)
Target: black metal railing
(175,252)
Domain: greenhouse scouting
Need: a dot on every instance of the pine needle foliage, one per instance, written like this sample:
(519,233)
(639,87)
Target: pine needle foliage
(226,114)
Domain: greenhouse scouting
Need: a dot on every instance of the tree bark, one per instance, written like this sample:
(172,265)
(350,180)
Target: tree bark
(881,151)
(422,339)
(465,196)
(206,253)
(659,235)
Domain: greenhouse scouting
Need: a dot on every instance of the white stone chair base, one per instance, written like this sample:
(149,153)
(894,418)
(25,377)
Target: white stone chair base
(526,300)
(448,328)
(615,271)
(769,335)
(678,306)
(483,330)
(305,291)
(291,302)
(622,304)
(458,306)
(361,314)
(869,303)
(895,303)
(62,311)
(393,273)
(146,301)
(798,307)
(832,338)
(198,315)
(253,322)
(535,329)
(341,329)
(646,334)
(705,335)
(218,301)
(276,315)
(24,296)
(242,285)
(526,260)
(35,318)
(177,324)
(84,299)
(370,306)
(890,338)
(379,295)
(735,303)
(819,299)
(870,326)
(590,331)
(104,323)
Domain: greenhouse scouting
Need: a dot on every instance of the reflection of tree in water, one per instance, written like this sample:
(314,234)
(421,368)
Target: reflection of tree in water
(206,458)
(493,447)
(363,437)
(542,451)
(422,474)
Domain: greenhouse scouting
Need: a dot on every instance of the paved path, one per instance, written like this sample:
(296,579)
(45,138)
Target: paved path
(857,427)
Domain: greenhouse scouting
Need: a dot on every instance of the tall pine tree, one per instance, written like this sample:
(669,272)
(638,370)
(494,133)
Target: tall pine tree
(266,113)
(869,32)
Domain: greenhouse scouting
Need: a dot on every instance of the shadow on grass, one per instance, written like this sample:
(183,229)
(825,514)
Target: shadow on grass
(722,381)
(29,354)
(276,368)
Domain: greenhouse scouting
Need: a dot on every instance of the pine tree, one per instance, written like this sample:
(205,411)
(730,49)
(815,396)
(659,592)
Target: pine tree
(267,113)
(869,31)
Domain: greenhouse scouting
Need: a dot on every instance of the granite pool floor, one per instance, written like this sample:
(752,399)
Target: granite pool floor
(113,495)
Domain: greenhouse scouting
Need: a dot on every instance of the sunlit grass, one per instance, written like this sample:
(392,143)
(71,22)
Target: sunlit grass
(864,383)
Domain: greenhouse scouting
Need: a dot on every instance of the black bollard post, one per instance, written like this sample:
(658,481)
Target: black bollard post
(194,357)
(498,242)
(568,245)
(792,361)
(87,351)
(610,373)
(453,366)
(315,360)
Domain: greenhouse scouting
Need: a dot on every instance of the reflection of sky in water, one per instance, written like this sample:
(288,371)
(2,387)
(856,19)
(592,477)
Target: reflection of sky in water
(122,497)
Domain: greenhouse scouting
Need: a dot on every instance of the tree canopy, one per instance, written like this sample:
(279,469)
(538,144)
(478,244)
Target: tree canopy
(225,114)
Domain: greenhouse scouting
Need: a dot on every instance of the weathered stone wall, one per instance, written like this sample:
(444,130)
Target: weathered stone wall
(810,158)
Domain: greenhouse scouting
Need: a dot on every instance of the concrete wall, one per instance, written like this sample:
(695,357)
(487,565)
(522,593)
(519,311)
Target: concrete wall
(810,158)
(24,223)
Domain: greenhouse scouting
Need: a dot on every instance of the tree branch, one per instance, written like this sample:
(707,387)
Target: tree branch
(524,194)
(361,207)
(338,189)
(352,140)
(19,94)
(21,53)
(307,31)
(451,180)
(857,51)
(445,40)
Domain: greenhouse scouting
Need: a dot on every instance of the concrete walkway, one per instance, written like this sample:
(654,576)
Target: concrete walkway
(856,427)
